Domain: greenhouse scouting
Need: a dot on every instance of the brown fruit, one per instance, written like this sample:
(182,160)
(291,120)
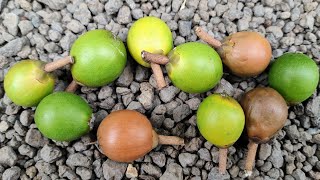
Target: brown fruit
(266,113)
(127,135)
(245,53)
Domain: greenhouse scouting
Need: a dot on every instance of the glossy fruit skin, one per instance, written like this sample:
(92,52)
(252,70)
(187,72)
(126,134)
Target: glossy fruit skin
(220,120)
(194,67)
(63,116)
(125,135)
(26,83)
(100,58)
(295,76)
(246,54)
(150,34)
(266,113)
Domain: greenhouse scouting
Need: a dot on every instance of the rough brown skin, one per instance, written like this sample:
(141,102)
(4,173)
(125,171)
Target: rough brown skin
(127,135)
(246,53)
(266,113)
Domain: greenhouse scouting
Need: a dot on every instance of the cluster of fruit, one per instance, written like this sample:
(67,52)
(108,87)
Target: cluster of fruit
(98,57)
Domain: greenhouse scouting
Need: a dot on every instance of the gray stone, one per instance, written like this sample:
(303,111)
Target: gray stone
(288,27)
(27,150)
(3,4)
(187,159)
(31,171)
(275,30)
(13,47)
(12,173)
(193,103)
(258,10)
(84,173)
(105,91)
(214,174)
(168,93)
(309,151)
(224,87)
(35,139)
(113,6)
(193,145)
(4,126)
(298,174)
(113,170)
(75,26)
(307,21)
(146,98)
(8,156)
(25,26)
(186,14)
(134,105)
(78,159)
(313,107)
(181,112)
(276,157)
(67,40)
(54,4)
(67,172)
(191,132)
(45,168)
(124,15)
(173,172)
(26,117)
(50,153)
(126,77)
(82,14)
(10,21)
(151,169)
(265,151)
(137,13)
(185,28)
(158,158)
(292,132)
(204,154)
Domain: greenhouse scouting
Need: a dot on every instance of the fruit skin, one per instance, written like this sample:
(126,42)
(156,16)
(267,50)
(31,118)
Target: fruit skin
(246,54)
(100,58)
(26,83)
(220,120)
(194,67)
(266,113)
(150,34)
(295,76)
(63,116)
(125,135)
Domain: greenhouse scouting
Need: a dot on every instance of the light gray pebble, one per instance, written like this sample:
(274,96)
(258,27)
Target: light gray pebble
(313,107)
(137,13)
(266,166)
(54,4)
(214,174)
(193,103)
(126,77)
(184,28)
(75,26)
(134,105)
(224,87)
(82,14)
(158,158)
(288,27)
(10,21)
(181,112)
(168,93)
(27,150)
(292,132)
(204,154)
(298,174)
(275,30)
(78,159)
(173,171)
(146,98)
(35,139)
(151,169)
(124,15)
(276,157)
(25,26)
(265,151)
(3,4)
(12,173)
(113,170)
(187,159)
(168,123)
(258,10)
(31,171)
(67,40)
(13,47)
(65,171)
(84,173)
(113,6)
(176,5)
(186,14)
(4,126)
(50,153)
(46,168)
(191,132)
(8,156)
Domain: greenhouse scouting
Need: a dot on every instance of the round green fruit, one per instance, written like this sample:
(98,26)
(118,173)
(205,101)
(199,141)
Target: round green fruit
(220,120)
(194,67)
(295,76)
(150,34)
(63,116)
(100,58)
(26,83)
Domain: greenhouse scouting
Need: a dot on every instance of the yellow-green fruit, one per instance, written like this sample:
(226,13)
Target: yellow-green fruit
(194,67)
(26,83)
(100,58)
(63,116)
(220,120)
(150,34)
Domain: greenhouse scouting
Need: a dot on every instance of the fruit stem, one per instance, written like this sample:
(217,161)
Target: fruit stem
(72,87)
(154,58)
(252,150)
(91,143)
(207,38)
(223,154)
(158,75)
(49,67)
(170,140)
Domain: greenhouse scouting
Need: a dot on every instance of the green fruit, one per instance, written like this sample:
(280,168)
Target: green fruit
(150,34)
(63,116)
(100,58)
(26,83)
(194,67)
(220,120)
(295,76)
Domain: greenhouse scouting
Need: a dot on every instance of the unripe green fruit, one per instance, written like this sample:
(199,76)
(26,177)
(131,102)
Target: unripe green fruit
(194,67)
(295,76)
(150,34)
(63,116)
(220,120)
(26,83)
(100,58)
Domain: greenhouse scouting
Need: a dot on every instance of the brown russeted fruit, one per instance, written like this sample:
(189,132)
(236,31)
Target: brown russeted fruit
(245,53)
(266,113)
(127,135)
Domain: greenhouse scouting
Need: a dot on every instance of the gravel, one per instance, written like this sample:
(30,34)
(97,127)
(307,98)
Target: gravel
(46,30)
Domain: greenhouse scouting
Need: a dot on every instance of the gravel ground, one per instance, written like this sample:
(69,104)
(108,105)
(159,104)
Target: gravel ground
(46,29)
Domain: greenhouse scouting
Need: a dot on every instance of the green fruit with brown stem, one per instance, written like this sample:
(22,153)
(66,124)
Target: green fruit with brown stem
(220,120)
(27,83)
(63,116)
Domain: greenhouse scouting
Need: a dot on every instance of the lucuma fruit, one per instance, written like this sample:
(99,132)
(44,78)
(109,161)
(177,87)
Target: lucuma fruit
(63,116)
